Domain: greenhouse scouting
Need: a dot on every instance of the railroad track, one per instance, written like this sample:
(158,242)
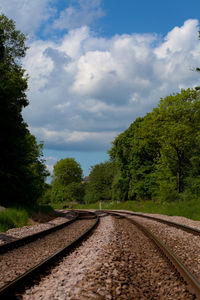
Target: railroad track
(32,237)
(189,229)
(63,239)
(185,273)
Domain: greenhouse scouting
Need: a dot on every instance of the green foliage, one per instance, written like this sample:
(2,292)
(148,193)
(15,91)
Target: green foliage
(158,155)
(19,216)
(12,218)
(45,198)
(178,122)
(135,152)
(120,187)
(100,183)
(67,171)
(66,183)
(22,171)
(75,192)
(12,41)
(99,186)
(188,209)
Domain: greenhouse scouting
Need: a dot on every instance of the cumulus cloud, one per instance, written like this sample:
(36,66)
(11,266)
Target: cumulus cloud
(85,12)
(29,15)
(45,16)
(179,40)
(74,140)
(85,90)
(50,162)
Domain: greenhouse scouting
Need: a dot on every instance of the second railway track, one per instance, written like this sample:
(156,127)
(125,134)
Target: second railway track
(194,231)
(20,264)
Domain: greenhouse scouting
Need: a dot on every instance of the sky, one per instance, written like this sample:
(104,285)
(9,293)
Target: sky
(94,66)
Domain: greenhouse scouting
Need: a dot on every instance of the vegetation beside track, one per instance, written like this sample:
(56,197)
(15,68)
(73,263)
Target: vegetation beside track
(21,216)
(189,209)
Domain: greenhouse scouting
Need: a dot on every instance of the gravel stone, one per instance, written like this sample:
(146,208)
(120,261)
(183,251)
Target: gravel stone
(15,262)
(116,262)
(16,233)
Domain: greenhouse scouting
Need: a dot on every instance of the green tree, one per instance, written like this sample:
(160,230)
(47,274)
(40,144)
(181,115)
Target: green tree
(100,183)
(22,171)
(158,155)
(178,127)
(66,181)
(134,151)
(67,171)
(76,192)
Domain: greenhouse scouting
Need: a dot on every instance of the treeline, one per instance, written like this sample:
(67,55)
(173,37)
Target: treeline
(69,186)
(157,157)
(22,169)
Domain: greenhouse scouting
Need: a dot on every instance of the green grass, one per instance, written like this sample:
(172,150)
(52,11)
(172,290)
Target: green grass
(20,216)
(189,209)
(13,217)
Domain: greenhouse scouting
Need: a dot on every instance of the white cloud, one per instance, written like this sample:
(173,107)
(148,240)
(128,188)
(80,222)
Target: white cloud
(71,140)
(84,13)
(50,162)
(179,40)
(83,99)
(85,90)
(29,15)
(46,18)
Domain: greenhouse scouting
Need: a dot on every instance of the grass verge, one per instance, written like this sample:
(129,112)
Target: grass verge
(189,209)
(21,216)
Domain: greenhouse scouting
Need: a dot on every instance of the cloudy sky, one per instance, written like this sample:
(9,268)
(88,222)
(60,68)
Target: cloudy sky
(96,65)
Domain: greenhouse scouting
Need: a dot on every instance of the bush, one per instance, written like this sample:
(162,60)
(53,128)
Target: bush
(19,216)
(13,217)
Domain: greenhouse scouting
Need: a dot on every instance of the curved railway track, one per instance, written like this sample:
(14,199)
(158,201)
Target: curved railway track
(32,237)
(84,222)
(189,229)
(34,273)
(185,273)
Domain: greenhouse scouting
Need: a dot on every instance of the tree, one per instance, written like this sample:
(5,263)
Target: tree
(67,171)
(66,181)
(100,183)
(158,155)
(22,171)
(134,152)
(178,119)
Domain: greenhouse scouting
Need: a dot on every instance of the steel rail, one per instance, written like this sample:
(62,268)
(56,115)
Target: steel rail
(10,289)
(30,238)
(193,283)
(189,229)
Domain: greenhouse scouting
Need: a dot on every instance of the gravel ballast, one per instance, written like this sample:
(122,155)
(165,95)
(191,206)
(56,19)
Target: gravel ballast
(185,245)
(116,262)
(65,280)
(16,233)
(15,262)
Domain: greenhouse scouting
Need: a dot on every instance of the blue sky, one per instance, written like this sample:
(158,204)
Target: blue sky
(96,65)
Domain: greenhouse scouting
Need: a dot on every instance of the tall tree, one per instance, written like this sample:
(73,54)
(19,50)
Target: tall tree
(100,182)
(178,119)
(19,152)
(134,151)
(158,155)
(67,176)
